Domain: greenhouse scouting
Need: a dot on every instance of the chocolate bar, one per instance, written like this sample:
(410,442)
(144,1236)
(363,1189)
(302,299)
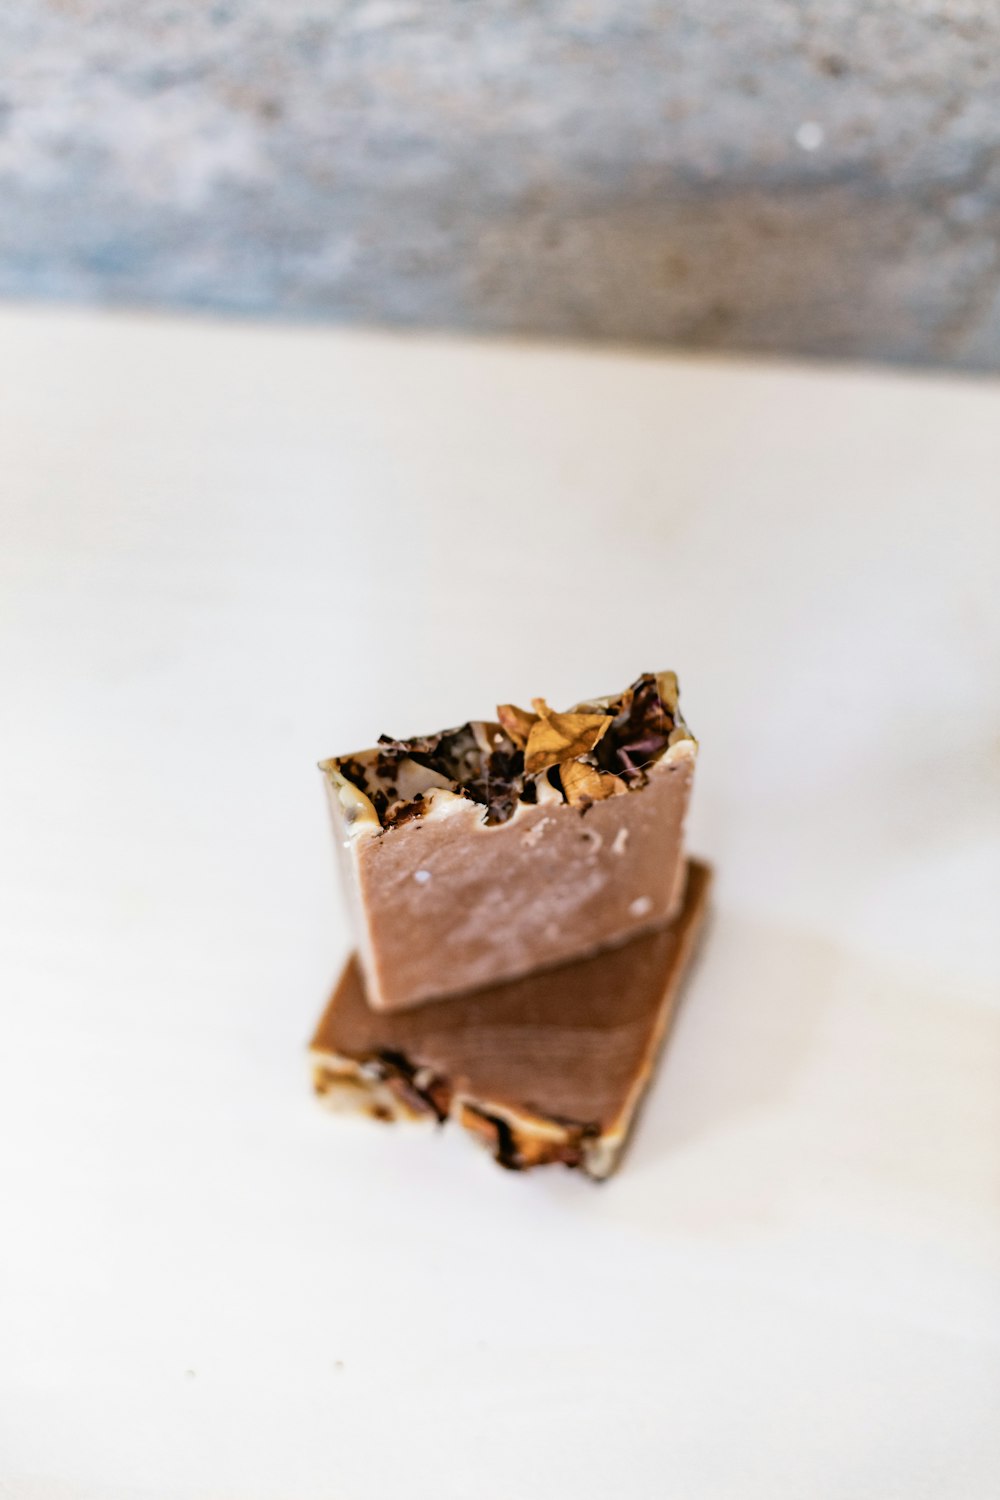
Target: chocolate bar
(543,1069)
(502,847)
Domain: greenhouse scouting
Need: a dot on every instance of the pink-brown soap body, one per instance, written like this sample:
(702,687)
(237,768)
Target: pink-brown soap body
(549,1068)
(446,903)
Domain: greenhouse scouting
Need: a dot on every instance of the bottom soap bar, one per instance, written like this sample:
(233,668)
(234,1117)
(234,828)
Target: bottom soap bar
(550,1068)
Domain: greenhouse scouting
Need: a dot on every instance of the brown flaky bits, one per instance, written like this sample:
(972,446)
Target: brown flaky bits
(501,763)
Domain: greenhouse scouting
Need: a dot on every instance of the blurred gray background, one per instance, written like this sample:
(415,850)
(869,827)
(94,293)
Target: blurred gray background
(787,175)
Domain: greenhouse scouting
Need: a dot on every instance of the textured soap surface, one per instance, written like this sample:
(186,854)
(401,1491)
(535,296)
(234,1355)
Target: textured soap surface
(547,1068)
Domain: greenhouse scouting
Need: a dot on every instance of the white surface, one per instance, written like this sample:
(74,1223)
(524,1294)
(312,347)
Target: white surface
(228,553)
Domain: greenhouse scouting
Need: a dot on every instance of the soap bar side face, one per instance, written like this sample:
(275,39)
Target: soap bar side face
(447,903)
(548,1068)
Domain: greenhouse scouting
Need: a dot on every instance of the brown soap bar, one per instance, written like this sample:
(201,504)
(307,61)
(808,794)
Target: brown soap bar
(499,848)
(549,1068)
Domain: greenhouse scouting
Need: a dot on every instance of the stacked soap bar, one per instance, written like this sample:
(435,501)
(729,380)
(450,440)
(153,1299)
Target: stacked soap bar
(548,1068)
(524,913)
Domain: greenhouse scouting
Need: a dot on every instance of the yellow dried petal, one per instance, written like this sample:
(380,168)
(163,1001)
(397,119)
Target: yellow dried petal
(669,691)
(516,723)
(584,783)
(556,738)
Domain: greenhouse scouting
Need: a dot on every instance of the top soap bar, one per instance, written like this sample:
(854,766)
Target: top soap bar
(485,852)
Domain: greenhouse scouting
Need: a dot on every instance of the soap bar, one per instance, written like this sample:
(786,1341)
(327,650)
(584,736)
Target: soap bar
(501,847)
(545,1069)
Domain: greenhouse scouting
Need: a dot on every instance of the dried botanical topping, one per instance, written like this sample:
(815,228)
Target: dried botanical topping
(404,812)
(506,1148)
(555,738)
(499,784)
(598,750)
(519,1146)
(419,1087)
(582,783)
(454,754)
(353,771)
(516,722)
(645,718)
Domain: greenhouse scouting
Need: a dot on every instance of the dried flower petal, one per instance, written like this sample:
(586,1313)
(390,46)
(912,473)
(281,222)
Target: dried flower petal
(501,763)
(556,738)
(584,783)
(669,691)
(516,723)
(499,785)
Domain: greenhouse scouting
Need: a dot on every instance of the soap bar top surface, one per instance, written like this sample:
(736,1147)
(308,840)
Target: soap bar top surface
(595,750)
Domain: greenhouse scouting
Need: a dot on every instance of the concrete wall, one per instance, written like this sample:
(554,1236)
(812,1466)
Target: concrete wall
(807,175)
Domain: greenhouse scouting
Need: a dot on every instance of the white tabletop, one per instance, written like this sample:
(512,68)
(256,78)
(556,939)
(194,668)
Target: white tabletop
(230,551)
